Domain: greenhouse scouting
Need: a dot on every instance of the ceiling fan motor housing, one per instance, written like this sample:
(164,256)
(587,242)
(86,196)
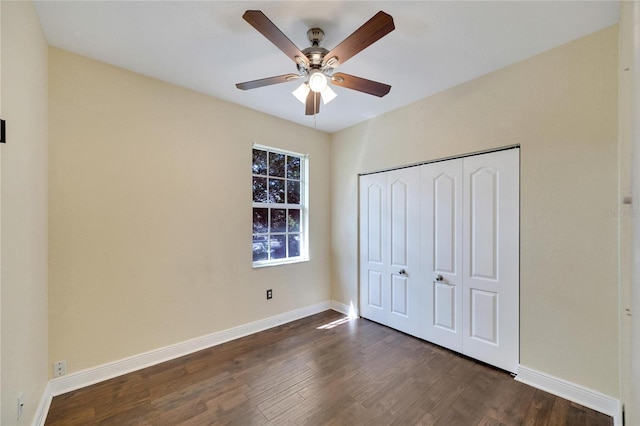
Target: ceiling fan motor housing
(315,53)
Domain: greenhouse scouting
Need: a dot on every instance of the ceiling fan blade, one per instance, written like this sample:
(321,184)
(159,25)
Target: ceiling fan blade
(247,85)
(370,32)
(360,84)
(260,22)
(313,103)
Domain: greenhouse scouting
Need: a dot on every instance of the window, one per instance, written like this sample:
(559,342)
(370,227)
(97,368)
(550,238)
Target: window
(279,206)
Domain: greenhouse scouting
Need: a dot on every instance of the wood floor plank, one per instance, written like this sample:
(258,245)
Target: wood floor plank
(289,385)
(229,400)
(323,369)
(78,416)
(539,411)
(354,414)
(272,409)
(559,412)
(467,401)
(450,383)
(488,420)
(512,402)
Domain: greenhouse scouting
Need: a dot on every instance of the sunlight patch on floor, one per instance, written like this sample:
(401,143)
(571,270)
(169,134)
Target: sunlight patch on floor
(334,323)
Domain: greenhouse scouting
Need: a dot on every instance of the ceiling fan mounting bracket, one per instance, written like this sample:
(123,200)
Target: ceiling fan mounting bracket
(315,36)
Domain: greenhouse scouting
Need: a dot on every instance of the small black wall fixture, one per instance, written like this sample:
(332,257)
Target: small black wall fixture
(2,132)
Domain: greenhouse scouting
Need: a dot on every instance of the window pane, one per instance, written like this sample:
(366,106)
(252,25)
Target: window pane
(293,192)
(276,164)
(259,190)
(278,220)
(260,221)
(276,191)
(294,220)
(259,162)
(294,245)
(260,251)
(277,245)
(293,167)
(277,229)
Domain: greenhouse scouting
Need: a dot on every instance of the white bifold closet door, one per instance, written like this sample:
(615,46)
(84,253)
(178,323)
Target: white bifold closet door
(491,258)
(461,290)
(390,253)
(441,251)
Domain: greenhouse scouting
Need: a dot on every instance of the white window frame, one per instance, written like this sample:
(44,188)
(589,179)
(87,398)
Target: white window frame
(303,206)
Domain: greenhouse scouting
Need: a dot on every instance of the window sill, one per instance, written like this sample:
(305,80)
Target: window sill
(258,265)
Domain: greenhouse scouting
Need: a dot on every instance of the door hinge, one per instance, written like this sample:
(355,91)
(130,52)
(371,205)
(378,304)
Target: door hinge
(2,132)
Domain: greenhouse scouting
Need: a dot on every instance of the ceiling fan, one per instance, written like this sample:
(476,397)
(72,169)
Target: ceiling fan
(317,64)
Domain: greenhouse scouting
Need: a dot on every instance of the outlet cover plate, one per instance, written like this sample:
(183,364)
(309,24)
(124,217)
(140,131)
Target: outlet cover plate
(20,405)
(59,368)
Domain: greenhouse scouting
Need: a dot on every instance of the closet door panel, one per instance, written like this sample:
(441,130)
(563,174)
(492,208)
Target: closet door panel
(374,257)
(483,224)
(404,269)
(491,252)
(389,248)
(399,221)
(374,288)
(444,310)
(399,295)
(441,251)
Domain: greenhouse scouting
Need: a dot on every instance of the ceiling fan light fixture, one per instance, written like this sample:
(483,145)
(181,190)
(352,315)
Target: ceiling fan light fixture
(316,64)
(328,95)
(301,92)
(317,81)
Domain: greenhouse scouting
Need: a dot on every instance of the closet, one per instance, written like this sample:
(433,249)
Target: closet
(439,253)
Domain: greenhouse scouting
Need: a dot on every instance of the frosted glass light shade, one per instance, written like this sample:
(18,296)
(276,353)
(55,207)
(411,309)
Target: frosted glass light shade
(303,90)
(301,93)
(328,95)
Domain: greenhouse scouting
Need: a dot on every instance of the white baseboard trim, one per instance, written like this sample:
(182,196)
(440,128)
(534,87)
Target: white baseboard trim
(113,369)
(43,407)
(351,311)
(571,391)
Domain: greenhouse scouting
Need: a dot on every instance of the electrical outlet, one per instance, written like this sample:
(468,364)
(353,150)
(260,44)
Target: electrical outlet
(59,368)
(20,405)
(269,294)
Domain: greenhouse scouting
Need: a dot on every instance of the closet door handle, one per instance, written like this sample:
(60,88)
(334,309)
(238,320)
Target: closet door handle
(402,272)
(439,278)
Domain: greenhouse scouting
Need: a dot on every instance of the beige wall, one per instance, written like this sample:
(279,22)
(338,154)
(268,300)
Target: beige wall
(150,214)
(630,122)
(561,107)
(23,178)
(625,90)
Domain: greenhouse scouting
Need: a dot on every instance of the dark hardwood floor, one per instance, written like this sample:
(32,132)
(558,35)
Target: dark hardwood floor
(320,370)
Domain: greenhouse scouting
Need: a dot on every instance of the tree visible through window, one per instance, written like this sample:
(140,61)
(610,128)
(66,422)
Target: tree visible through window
(278,205)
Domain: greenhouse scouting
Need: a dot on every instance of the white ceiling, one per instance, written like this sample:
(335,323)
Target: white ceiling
(206,46)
